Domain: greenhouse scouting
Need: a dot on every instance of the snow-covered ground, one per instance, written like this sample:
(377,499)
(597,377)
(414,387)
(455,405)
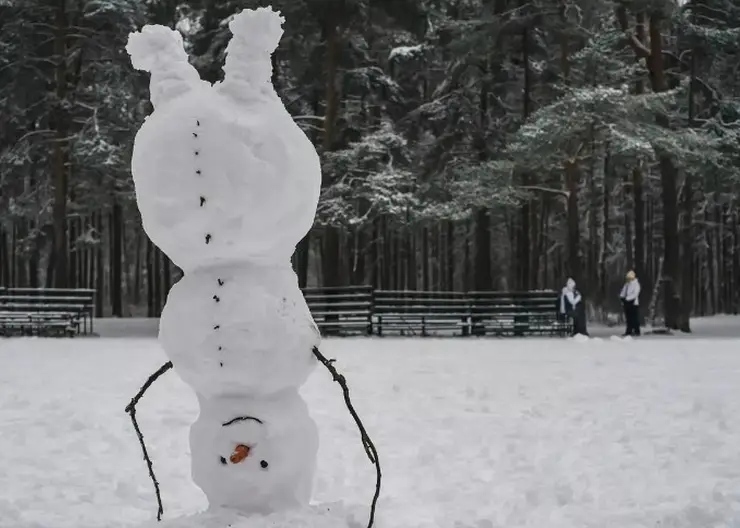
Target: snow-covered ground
(540,433)
(718,326)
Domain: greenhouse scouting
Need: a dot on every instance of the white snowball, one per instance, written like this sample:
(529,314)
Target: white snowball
(159,50)
(277,474)
(256,315)
(155,47)
(227,185)
(256,34)
(237,173)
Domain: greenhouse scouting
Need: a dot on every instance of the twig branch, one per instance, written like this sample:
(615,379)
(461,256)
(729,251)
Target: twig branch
(633,40)
(367,443)
(131,410)
(242,419)
(548,190)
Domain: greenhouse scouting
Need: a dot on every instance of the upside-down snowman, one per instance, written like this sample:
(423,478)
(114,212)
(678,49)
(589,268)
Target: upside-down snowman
(227,185)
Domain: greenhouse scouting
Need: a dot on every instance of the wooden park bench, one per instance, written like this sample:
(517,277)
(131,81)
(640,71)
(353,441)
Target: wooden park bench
(403,312)
(361,310)
(517,313)
(343,310)
(46,311)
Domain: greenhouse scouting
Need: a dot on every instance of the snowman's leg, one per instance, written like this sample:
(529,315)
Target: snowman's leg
(367,443)
(131,410)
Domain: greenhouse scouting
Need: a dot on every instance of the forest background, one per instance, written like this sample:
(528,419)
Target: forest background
(466,145)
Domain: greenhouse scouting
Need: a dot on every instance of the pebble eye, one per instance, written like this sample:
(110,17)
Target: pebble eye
(223,461)
(264,464)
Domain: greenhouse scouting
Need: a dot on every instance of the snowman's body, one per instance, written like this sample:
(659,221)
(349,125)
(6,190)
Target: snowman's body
(239,329)
(227,185)
(240,168)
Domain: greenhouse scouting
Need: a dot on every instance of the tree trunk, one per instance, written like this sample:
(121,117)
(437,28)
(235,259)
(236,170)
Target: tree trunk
(72,235)
(450,255)
(483,280)
(542,271)
(482,220)
(5,257)
(150,271)
(572,178)
(331,246)
(673,308)
(33,263)
(137,271)
(400,268)
(424,259)
(83,228)
(116,260)
(412,273)
(301,260)
(654,61)
(639,265)
(16,269)
(375,253)
(591,273)
(651,257)
(166,277)
(60,155)
(361,256)
(736,261)
(675,314)
(523,240)
(606,238)
(387,256)
(157,280)
(687,242)
(50,264)
(99,271)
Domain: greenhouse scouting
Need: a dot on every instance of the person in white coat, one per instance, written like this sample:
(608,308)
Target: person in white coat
(630,296)
(571,305)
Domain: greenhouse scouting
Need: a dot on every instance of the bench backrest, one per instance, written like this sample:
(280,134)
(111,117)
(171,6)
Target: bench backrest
(348,301)
(536,302)
(363,300)
(420,302)
(47,299)
(81,293)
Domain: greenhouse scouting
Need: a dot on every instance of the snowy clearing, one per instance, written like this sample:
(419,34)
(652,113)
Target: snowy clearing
(718,326)
(471,433)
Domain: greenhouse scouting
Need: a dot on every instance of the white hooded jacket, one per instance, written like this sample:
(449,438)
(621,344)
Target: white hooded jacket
(569,294)
(631,291)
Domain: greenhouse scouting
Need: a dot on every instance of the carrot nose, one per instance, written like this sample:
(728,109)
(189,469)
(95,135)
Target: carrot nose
(240,453)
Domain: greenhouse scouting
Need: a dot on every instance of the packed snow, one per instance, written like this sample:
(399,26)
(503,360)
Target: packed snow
(405,52)
(256,339)
(227,185)
(540,433)
(222,172)
(278,470)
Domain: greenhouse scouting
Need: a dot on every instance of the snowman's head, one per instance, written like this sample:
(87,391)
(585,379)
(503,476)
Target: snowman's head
(255,464)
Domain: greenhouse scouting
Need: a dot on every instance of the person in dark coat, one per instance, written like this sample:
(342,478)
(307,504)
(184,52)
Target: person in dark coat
(630,296)
(571,305)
